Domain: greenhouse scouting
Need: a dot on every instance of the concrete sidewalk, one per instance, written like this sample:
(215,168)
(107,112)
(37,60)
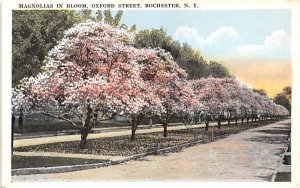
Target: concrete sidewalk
(253,155)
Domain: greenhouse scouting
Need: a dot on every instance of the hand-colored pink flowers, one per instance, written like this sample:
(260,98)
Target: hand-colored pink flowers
(96,64)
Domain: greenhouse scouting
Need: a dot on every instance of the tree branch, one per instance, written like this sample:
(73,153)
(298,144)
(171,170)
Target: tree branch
(109,118)
(130,122)
(76,114)
(62,118)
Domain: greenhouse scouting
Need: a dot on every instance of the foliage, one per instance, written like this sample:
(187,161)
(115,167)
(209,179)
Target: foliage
(188,59)
(217,70)
(260,91)
(34,33)
(284,98)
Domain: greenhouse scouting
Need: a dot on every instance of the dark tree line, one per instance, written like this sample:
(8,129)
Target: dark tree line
(187,58)
(284,98)
(34,33)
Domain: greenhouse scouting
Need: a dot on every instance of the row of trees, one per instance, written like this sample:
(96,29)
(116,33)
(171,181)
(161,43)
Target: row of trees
(35,32)
(226,98)
(96,70)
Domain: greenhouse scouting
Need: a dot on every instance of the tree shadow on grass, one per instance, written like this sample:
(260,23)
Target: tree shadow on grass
(285,128)
(287,124)
(274,131)
(265,178)
(270,139)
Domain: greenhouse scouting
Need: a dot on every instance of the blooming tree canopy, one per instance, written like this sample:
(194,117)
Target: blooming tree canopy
(229,98)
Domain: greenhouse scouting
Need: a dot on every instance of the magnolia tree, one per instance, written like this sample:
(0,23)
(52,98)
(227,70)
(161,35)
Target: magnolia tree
(247,102)
(214,97)
(158,75)
(93,70)
(177,98)
(193,108)
(241,100)
(167,90)
(282,111)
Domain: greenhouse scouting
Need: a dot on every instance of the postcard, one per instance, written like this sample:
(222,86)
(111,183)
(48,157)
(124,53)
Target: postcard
(150,93)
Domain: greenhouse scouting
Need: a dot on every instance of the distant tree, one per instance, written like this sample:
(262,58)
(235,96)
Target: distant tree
(187,58)
(217,70)
(152,38)
(85,15)
(99,15)
(260,91)
(287,91)
(284,98)
(192,62)
(107,17)
(34,33)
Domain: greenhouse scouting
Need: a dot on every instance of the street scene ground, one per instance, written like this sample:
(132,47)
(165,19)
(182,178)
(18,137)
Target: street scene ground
(252,155)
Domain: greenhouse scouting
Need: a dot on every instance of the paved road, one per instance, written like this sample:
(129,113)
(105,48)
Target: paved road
(249,156)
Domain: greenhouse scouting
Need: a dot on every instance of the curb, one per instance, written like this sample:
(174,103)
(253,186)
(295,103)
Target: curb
(56,169)
(281,161)
(60,169)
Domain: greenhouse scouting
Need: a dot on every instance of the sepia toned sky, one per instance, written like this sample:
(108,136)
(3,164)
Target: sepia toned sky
(253,44)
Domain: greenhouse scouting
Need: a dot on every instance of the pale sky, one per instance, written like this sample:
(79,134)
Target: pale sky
(237,38)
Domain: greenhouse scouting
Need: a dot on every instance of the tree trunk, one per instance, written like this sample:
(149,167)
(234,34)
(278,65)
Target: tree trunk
(13,118)
(84,133)
(219,123)
(21,122)
(229,121)
(95,116)
(242,120)
(207,123)
(165,125)
(248,119)
(136,120)
(133,129)
(85,129)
